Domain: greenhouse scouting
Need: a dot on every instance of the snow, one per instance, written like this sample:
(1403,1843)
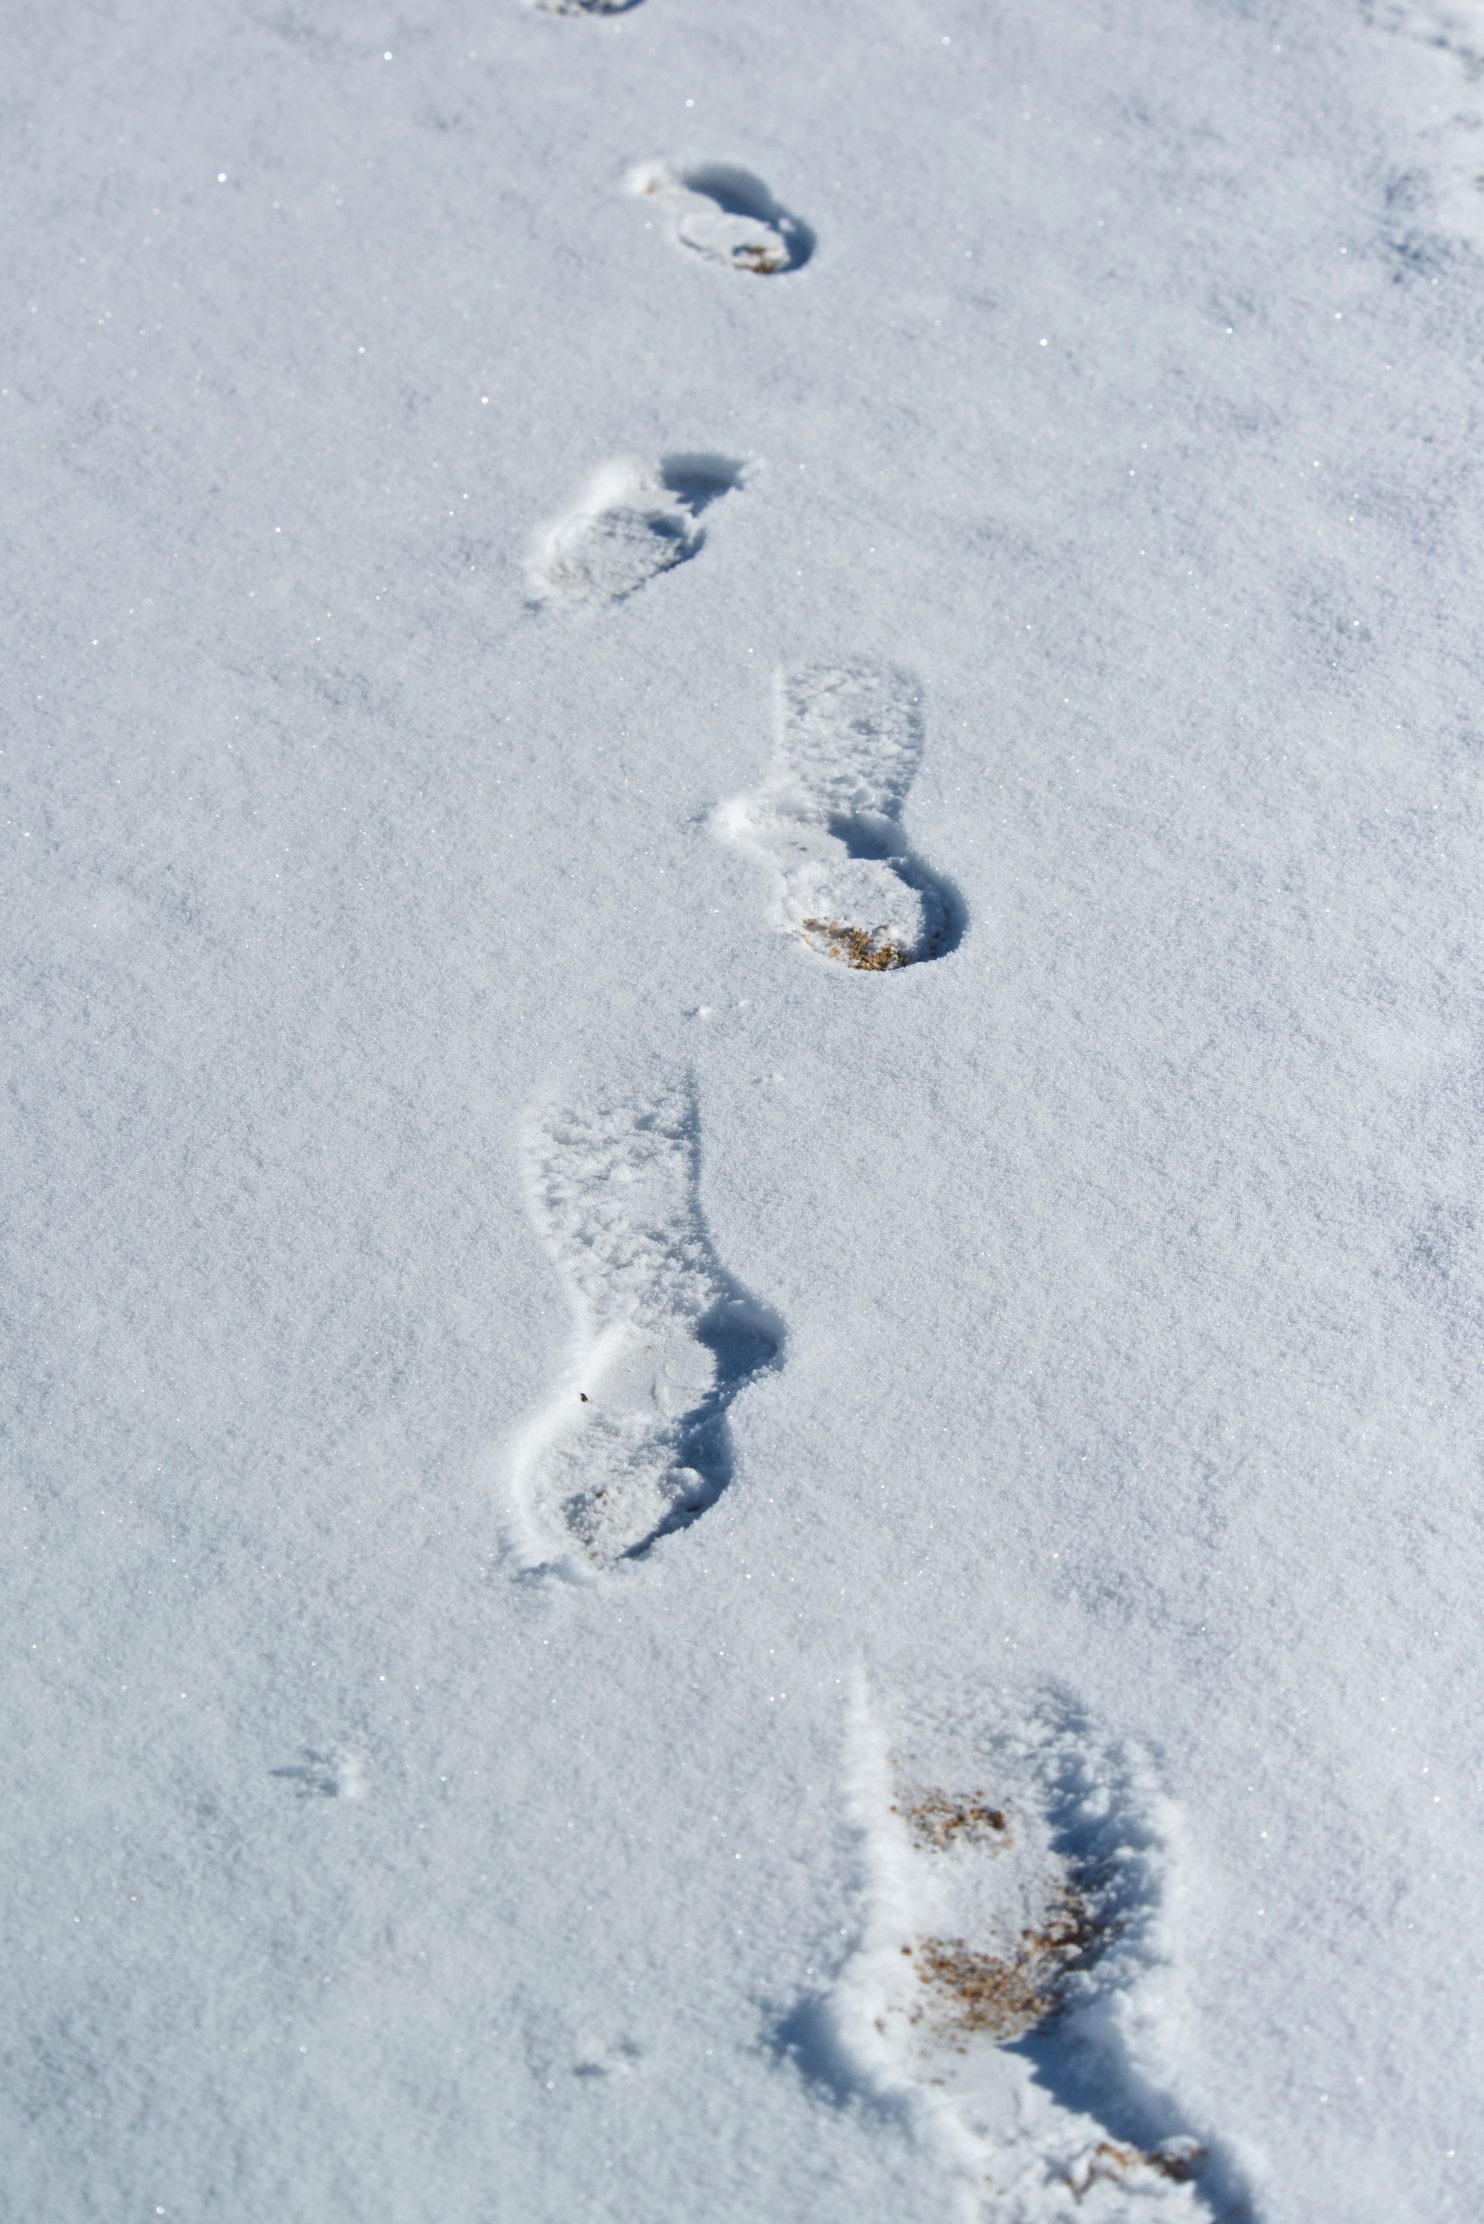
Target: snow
(423,545)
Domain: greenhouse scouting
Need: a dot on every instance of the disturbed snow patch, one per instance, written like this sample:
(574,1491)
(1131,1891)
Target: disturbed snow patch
(1435,77)
(325,1773)
(826,818)
(726,216)
(1012,1978)
(631,521)
(635,1441)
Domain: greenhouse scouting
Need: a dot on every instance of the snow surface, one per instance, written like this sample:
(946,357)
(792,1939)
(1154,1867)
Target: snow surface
(379,1846)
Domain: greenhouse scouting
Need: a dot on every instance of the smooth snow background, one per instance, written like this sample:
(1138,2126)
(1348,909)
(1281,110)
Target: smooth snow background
(1129,1257)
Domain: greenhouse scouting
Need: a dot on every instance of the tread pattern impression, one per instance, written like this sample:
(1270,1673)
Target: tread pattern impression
(632,521)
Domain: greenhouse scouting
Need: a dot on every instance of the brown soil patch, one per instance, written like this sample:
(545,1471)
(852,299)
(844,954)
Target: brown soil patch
(1003,1996)
(762,258)
(869,951)
(936,1821)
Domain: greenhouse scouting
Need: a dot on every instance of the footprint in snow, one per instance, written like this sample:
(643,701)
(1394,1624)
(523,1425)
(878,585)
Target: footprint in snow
(631,521)
(324,1775)
(727,216)
(635,1442)
(584,7)
(1012,1950)
(827,819)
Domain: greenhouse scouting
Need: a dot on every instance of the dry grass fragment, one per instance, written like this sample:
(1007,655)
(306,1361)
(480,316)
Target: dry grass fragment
(868,950)
(1178,2160)
(936,1821)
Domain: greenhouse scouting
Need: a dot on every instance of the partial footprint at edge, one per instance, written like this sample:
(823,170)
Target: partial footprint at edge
(631,521)
(584,7)
(1013,1972)
(827,819)
(726,216)
(635,1442)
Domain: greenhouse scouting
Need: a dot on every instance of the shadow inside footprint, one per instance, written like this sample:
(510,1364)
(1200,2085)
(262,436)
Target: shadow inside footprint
(696,481)
(742,1342)
(933,912)
(1113,1861)
(649,1448)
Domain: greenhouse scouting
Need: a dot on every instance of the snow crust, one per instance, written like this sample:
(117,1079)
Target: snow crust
(1048,1374)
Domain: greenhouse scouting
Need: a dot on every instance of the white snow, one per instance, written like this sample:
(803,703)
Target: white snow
(1042,1380)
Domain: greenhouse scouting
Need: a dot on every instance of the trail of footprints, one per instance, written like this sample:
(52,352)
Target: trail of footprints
(1013,1943)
